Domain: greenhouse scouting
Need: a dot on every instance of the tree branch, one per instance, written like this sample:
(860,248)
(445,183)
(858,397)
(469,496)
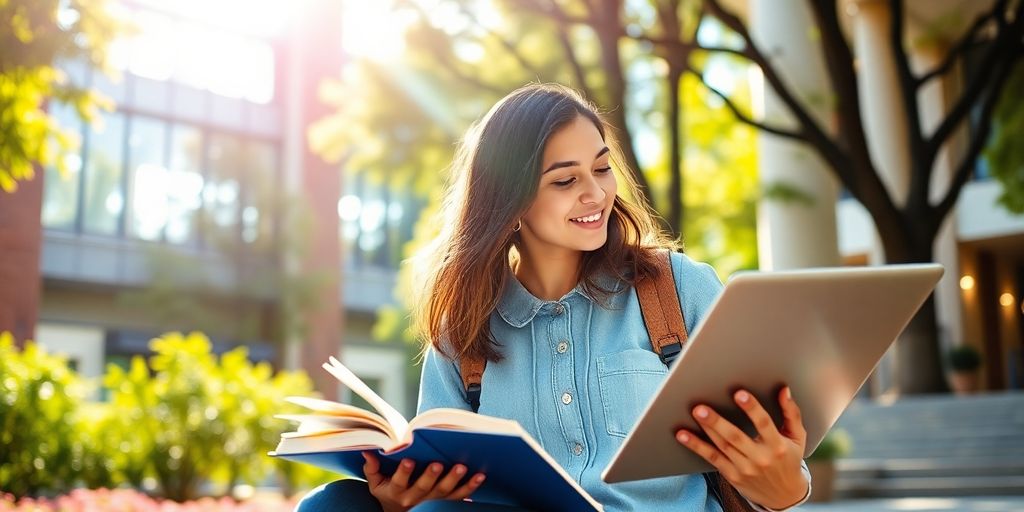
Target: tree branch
(963,171)
(744,118)
(816,136)
(965,43)
(574,63)
(921,165)
(977,84)
(509,46)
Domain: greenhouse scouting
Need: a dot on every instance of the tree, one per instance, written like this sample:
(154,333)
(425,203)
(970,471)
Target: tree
(38,35)
(907,228)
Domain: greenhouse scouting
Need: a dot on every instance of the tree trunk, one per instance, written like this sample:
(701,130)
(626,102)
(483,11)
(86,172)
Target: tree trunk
(918,355)
(675,122)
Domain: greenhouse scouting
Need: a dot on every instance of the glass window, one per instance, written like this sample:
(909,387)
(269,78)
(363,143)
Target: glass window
(259,205)
(60,194)
(222,189)
(149,178)
(104,171)
(185,183)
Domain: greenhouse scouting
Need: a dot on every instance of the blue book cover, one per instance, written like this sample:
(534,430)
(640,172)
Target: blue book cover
(519,472)
(516,473)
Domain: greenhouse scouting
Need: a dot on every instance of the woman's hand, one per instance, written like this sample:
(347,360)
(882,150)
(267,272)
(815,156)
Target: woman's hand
(766,470)
(395,493)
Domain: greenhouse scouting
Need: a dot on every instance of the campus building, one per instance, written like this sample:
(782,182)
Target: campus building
(196,204)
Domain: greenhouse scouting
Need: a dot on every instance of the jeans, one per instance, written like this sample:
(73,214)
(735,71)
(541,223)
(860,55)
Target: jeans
(354,496)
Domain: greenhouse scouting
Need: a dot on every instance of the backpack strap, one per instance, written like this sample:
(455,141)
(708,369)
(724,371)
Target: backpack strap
(663,316)
(472,371)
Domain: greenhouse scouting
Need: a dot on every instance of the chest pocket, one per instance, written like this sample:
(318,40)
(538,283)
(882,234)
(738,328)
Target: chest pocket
(627,380)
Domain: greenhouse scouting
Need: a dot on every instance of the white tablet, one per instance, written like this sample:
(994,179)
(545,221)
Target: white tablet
(821,331)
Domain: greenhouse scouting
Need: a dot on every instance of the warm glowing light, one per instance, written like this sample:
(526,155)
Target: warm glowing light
(1006,299)
(966,282)
(374,30)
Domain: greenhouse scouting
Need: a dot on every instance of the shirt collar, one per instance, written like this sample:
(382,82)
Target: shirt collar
(518,306)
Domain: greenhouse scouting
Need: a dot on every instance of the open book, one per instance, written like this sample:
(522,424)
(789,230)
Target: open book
(519,472)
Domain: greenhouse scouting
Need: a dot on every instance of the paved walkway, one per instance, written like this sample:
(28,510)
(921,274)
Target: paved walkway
(973,504)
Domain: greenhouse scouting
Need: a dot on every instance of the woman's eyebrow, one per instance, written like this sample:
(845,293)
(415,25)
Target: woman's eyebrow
(572,163)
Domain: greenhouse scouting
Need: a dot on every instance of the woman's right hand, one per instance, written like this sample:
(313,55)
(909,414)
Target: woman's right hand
(396,494)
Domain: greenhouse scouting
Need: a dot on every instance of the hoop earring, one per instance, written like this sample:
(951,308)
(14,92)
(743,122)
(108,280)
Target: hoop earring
(519,225)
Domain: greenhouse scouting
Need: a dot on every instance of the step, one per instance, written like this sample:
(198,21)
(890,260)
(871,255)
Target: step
(900,468)
(931,486)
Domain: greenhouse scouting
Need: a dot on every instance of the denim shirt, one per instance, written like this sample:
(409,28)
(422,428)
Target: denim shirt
(576,375)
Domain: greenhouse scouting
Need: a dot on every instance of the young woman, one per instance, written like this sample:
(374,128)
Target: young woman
(534,272)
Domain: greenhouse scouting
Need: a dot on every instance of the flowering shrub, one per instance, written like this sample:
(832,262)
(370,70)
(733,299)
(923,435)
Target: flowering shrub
(127,500)
(183,418)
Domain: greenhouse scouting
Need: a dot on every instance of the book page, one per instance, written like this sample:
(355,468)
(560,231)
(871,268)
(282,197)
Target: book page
(393,417)
(457,419)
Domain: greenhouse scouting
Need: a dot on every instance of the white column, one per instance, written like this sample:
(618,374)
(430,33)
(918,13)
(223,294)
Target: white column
(294,146)
(793,233)
(933,98)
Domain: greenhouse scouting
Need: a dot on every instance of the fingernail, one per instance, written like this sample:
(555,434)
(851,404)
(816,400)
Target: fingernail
(435,468)
(743,397)
(683,437)
(460,469)
(408,463)
(702,412)
(789,393)
(480,478)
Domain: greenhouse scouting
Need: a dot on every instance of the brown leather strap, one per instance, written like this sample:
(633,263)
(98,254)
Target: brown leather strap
(663,316)
(472,371)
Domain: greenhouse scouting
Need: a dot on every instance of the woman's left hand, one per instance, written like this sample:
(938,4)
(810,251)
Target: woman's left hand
(766,470)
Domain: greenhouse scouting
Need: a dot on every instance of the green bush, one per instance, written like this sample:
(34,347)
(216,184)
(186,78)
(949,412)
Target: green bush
(836,444)
(964,358)
(194,417)
(183,418)
(39,396)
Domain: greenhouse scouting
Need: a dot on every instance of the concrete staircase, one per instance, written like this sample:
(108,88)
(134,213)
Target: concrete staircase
(934,446)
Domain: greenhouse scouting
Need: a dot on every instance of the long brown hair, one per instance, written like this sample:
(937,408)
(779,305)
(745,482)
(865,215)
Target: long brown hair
(496,174)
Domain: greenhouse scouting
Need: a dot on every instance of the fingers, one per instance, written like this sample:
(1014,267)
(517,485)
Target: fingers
(708,452)
(762,420)
(448,483)
(425,483)
(402,474)
(792,425)
(713,423)
(468,488)
(372,470)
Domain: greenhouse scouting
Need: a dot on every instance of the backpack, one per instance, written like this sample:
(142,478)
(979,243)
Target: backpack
(663,317)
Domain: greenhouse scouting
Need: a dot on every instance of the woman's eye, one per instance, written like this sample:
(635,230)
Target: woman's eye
(564,183)
(603,170)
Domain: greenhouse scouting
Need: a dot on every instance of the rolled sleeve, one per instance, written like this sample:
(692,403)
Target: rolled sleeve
(807,475)
(440,384)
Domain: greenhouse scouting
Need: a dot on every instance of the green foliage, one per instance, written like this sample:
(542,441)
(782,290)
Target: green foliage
(837,443)
(38,401)
(183,418)
(195,417)
(964,358)
(38,34)
(1005,153)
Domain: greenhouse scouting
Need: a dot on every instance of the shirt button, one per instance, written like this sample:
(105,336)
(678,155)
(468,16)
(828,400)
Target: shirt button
(566,398)
(559,309)
(562,347)
(578,449)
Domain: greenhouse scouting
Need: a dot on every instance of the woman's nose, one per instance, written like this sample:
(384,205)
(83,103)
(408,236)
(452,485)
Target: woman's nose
(593,192)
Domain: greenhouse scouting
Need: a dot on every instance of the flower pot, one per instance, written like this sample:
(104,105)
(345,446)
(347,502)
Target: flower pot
(964,383)
(823,478)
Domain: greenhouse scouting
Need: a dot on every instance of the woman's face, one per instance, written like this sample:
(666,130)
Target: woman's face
(574,199)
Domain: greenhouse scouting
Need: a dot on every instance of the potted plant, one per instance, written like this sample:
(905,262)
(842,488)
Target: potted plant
(964,363)
(822,464)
